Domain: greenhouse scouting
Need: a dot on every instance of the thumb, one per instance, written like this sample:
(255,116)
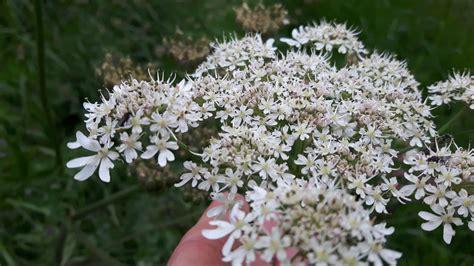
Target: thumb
(195,249)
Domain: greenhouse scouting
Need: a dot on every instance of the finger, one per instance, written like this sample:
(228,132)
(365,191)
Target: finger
(195,249)
(195,233)
(195,252)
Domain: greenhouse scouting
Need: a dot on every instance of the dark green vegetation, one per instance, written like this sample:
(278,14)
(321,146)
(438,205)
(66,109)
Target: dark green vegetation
(47,218)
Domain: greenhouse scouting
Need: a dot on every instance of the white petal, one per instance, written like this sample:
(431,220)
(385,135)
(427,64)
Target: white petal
(419,194)
(390,256)
(448,233)
(104,168)
(130,155)
(81,161)
(172,145)
(215,211)
(108,163)
(87,143)
(269,42)
(428,216)
(165,155)
(438,209)
(73,145)
(342,49)
(281,255)
(85,172)
(150,152)
(290,42)
(184,181)
(223,229)
(471,225)
(430,226)
(228,246)
(113,155)
(457,221)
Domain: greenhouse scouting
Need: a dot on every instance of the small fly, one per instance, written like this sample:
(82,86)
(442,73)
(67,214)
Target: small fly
(124,119)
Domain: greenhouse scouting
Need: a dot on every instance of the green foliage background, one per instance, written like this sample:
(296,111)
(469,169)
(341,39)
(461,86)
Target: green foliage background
(39,200)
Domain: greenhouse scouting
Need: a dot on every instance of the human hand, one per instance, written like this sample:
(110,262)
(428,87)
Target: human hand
(194,249)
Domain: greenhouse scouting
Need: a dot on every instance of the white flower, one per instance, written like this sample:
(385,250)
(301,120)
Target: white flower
(281,149)
(233,180)
(374,197)
(439,99)
(103,159)
(327,36)
(458,87)
(448,176)
(211,180)
(228,202)
(273,244)
(107,131)
(308,162)
(418,186)
(243,114)
(439,195)
(137,121)
(129,146)
(302,130)
(359,184)
(371,134)
(187,115)
(195,174)
(324,253)
(276,113)
(265,168)
(163,123)
(445,217)
(162,146)
(377,253)
(239,220)
(245,252)
(465,203)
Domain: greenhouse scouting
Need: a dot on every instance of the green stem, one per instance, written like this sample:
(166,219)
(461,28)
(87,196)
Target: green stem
(41,61)
(42,81)
(104,202)
(184,146)
(443,128)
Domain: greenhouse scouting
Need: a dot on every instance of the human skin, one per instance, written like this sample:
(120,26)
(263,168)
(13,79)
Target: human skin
(194,249)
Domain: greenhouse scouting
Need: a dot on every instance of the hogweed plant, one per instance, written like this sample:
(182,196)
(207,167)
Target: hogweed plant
(319,151)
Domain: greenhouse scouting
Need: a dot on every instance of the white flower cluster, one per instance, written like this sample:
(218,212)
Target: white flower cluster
(459,87)
(135,113)
(327,36)
(235,53)
(313,145)
(435,178)
(322,223)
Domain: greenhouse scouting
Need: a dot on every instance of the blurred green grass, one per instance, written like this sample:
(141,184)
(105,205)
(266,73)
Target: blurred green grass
(38,195)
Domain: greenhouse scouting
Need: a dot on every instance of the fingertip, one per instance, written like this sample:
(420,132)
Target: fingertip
(196,253)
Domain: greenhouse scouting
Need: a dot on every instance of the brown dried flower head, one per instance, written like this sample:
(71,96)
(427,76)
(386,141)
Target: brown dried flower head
(262,19)
(184,49)
(114,70)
